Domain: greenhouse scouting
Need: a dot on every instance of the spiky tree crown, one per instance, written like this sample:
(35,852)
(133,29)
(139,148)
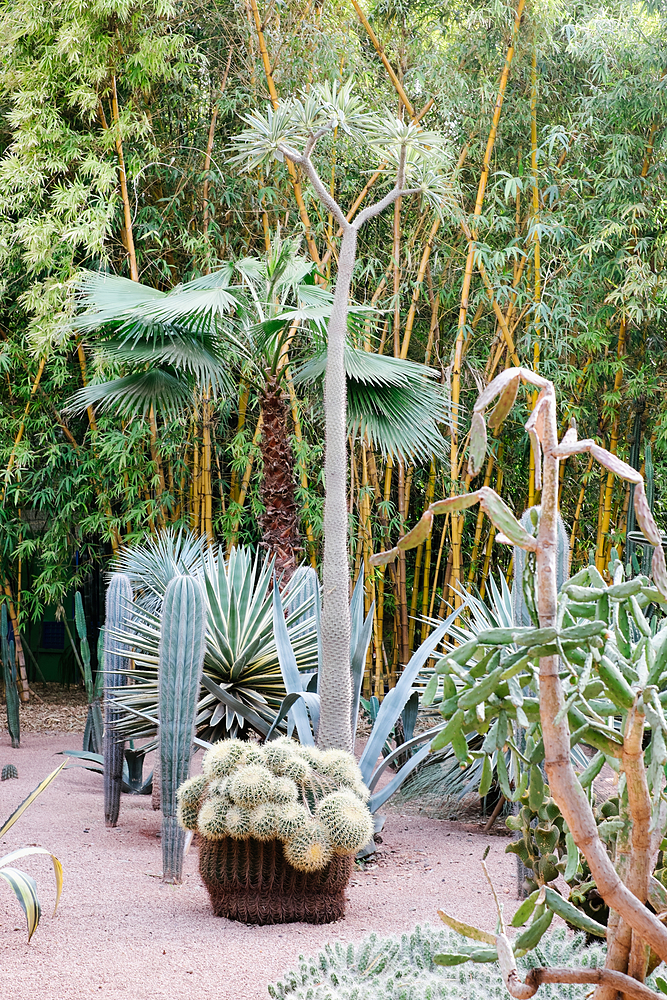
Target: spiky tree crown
(313,801)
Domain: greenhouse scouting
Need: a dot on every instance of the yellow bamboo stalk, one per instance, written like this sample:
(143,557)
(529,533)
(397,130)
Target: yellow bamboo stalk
(21,430)
(303,472)
(273,94)
(480,519)
(122,176)
(387,65)
(414,600)
(577,512)
(23,689)
(457,519)
(206,478)
(613,448)
(246,478)
(492,535)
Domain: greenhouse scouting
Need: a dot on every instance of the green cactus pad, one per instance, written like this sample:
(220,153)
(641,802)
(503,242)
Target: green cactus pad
(222,758)
(187,815)
(346,821)
(284,791)
(291,819)
(191,792)
(237,822)
(309,850)
(212,819)
(264,821)
(249,786)
(299,771)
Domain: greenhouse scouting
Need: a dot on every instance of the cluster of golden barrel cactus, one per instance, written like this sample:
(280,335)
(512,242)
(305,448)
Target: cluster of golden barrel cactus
(314,801)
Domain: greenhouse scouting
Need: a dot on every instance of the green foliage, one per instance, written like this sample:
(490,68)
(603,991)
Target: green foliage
(94,729)
(380,968)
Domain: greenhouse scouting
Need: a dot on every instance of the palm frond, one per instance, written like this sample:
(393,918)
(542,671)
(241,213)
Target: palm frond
(154,564)
(134,395)
(394,404)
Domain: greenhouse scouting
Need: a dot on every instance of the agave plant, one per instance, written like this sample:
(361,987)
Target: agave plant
(302,706)
(23,885)
(242,685)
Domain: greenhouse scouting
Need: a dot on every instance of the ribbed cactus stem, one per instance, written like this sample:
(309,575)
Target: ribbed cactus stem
(11,689)
(181,658)
(116,662)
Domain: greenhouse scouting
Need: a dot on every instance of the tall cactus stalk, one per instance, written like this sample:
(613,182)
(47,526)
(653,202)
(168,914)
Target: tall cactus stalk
(116,663)
(11,689)
(181,658)
(92,735)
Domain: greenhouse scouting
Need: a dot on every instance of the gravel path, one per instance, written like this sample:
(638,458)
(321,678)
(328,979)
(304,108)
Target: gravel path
(121,933)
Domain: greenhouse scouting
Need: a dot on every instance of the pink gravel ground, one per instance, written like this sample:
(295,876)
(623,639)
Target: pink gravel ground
(121,933)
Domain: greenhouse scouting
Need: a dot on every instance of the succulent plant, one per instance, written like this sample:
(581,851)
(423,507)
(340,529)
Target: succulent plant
(346,821)
(222,758)
(93,732)
(116,665)
(9,771)
(314,802)
(251,785)
(377,968)
(182,648)
(11,689)
(309,850)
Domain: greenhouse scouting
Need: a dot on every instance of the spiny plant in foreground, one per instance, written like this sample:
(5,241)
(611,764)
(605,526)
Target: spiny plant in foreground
(314,801)
(406,967)
(625,889)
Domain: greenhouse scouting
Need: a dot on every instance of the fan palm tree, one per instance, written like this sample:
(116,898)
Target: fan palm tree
(244,317)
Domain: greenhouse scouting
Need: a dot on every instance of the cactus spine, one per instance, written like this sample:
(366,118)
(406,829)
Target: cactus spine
(181,658)
(116,662)
(92,736)
(9,771)
(11,689)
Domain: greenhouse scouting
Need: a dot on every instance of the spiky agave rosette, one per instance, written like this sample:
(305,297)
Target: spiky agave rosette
(313,801)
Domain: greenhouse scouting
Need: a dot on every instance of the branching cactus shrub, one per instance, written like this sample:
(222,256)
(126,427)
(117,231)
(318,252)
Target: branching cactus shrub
(116,667)
(313,801)
(181,658)
(571,658)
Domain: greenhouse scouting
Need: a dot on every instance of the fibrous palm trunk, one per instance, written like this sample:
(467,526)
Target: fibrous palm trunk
(280,521)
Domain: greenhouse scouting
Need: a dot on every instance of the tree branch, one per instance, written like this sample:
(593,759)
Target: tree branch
(379,206)
(302,160)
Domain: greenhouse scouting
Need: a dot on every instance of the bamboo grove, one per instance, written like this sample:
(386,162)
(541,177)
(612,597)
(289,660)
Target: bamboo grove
(116,120)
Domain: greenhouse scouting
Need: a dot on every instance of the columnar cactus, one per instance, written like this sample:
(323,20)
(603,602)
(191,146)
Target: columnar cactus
(11,690)
(181,658)
(116,665)
(93,733)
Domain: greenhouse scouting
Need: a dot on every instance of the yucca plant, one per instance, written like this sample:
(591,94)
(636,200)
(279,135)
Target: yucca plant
(242,686)
(23,885)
